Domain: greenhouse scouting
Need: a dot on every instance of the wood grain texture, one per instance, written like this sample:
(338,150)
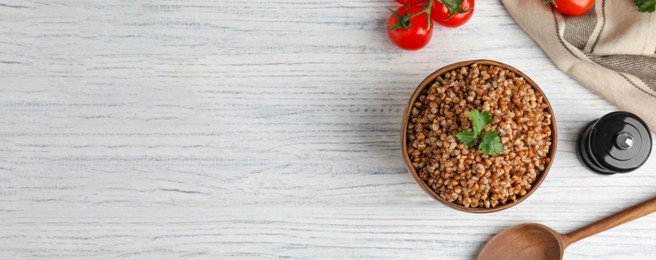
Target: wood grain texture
(259,129)
(624,216)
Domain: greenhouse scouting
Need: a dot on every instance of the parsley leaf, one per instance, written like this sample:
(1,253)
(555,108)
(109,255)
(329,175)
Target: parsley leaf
(467,137)
(491,143)
(646,5)
(480,120)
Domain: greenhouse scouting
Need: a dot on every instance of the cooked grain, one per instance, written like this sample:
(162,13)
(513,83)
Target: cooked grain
(464,175)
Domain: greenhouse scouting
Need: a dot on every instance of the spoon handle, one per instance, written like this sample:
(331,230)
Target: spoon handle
(632,213)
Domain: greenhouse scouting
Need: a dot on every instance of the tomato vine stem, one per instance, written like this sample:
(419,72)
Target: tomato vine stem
(404,19)
(455,6)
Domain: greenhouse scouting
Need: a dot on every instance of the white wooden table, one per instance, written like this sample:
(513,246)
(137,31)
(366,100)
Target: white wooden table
(259,129)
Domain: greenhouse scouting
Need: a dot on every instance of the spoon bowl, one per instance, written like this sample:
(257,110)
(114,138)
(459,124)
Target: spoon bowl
(524,241)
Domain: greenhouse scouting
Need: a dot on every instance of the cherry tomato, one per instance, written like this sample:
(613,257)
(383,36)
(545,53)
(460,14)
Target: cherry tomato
(408,29)
(571,7)
(407,2)
(459,11)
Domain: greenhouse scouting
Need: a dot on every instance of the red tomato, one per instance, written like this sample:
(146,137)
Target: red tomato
(572,7)
(459,10)
(406,2)
(411,33)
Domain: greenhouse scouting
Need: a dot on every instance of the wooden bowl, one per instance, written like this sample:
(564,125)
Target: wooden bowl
(404,147)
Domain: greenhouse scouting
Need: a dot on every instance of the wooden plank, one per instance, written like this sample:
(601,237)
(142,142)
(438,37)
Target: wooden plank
(257,129)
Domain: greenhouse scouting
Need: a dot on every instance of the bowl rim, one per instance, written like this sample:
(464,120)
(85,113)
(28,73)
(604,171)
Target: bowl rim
(430,79)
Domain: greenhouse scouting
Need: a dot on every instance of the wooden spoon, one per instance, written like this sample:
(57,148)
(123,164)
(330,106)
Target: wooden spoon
(535,241)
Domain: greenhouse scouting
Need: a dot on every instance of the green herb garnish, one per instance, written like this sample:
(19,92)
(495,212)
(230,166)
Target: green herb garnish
(467,137)
(646,6)
(490,143)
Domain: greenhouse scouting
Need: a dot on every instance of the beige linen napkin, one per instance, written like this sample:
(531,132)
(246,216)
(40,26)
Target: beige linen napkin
(611,49)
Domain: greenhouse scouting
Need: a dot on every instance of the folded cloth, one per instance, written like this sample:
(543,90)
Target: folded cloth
(610,50)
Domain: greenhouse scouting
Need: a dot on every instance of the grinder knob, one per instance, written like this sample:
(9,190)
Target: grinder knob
(618,142)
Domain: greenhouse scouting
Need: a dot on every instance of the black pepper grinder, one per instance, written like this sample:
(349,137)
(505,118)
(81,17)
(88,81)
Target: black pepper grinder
(618,142)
